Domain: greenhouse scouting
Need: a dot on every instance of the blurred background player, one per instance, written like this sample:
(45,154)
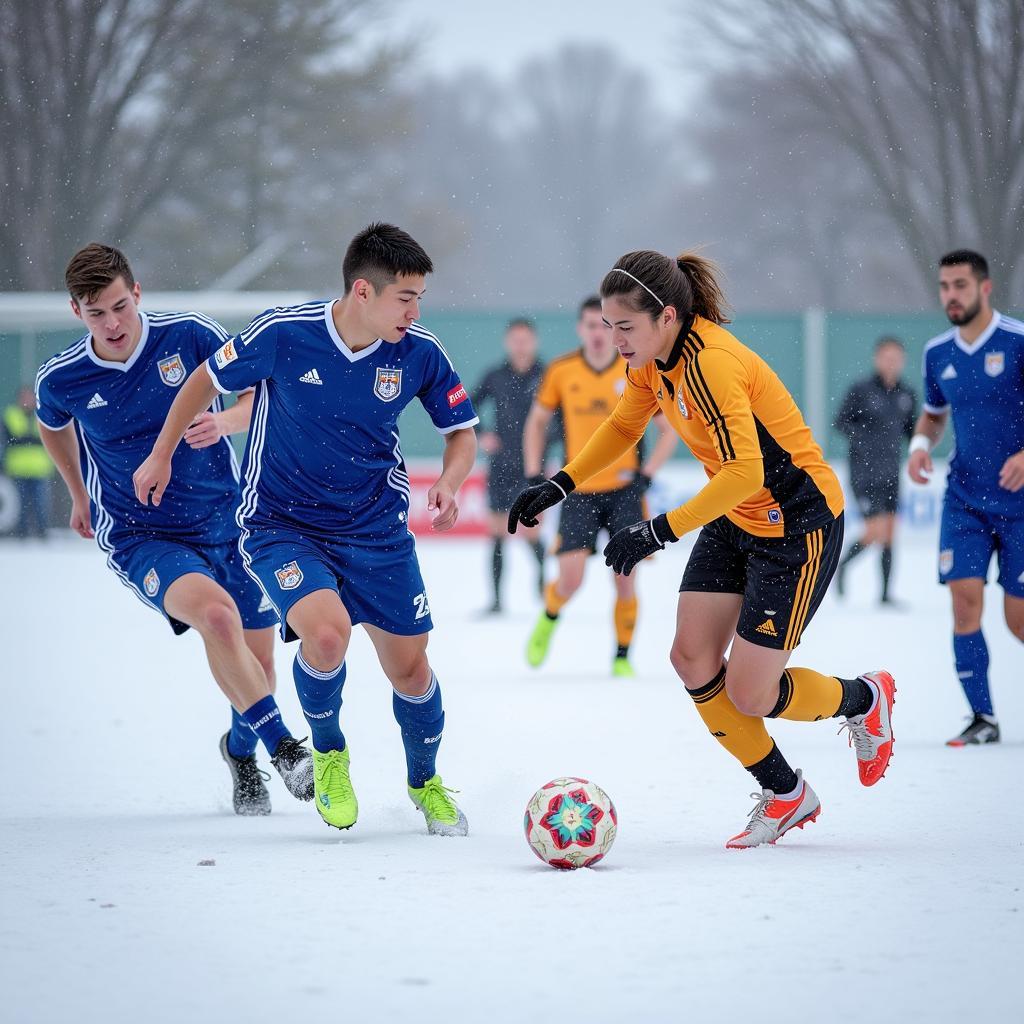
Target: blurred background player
(101,403)
(976,373)
(510,386)
(771,526)
(325,504)
(877,414)
(27,464)
(584,386)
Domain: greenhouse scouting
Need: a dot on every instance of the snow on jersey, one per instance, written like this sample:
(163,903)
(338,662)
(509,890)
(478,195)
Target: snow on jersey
(118,409)
(982,385)
(324,453)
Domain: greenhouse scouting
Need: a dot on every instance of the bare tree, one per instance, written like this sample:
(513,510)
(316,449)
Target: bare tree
(110,109)
(928,98)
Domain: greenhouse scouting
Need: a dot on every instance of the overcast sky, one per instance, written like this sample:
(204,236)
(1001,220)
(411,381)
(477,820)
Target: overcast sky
(459,34)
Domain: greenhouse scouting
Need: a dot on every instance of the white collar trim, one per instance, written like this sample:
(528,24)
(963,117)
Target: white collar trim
(993,325)
(352,357)
(113,364)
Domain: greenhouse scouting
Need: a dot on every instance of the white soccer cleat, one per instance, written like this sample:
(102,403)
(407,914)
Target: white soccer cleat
(773,817)
(871,734)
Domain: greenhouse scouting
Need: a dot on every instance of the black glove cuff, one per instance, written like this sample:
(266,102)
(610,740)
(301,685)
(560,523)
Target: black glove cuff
(662,531)
(536,479)
(564,481)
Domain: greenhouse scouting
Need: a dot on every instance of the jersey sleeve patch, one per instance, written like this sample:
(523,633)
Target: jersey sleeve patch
(227,353)
(457,395)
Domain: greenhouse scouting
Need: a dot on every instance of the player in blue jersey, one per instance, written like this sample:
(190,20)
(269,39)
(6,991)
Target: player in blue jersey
(975,372)
(100,404)
(325,496)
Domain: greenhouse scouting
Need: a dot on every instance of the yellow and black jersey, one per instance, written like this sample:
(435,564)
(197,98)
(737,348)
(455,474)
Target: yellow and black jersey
(586,398)
(766,472)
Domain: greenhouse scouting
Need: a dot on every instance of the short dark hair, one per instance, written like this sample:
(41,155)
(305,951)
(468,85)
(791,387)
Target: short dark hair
(521,321)
(889,339)
(590,302)
(379,253)
(94,268)
(975,260)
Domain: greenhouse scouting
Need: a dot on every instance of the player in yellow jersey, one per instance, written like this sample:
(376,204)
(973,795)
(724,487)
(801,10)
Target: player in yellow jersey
(771,528)
(583,386)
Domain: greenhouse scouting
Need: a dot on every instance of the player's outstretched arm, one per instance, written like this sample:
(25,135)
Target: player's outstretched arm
(153,476)
(209,427)
(927,434)
(62,447)
(459,456)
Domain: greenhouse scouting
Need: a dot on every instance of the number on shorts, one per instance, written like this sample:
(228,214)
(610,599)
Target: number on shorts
(422,608)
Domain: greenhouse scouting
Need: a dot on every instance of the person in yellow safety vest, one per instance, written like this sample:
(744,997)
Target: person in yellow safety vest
(27,464)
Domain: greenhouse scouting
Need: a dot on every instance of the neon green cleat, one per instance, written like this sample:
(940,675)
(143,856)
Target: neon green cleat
(335,797)
(440,811)
(540,640)
(622,668)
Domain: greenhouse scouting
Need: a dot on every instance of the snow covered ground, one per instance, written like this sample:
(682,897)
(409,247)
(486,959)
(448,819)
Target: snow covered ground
(129,891)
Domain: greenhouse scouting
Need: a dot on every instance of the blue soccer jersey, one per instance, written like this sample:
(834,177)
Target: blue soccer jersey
(982,386)
(117,410)
(324,453)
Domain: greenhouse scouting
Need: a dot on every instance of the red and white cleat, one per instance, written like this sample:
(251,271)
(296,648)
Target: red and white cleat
(871,734)
(773,817)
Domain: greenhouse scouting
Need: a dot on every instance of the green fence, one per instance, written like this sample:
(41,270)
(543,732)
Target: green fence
(817,356)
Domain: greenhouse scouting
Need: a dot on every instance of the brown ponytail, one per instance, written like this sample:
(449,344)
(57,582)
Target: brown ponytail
(708,298)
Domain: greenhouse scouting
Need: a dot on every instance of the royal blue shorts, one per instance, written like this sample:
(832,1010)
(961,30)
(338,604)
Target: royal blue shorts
(969,537)
(150,566)
(379,581)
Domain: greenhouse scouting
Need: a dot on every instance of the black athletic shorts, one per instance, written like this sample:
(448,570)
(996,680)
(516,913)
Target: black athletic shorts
(878,496)
(505,482)
(584,516)
(782,579)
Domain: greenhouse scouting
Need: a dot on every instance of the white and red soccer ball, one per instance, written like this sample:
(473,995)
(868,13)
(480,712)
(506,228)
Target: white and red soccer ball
(570,823)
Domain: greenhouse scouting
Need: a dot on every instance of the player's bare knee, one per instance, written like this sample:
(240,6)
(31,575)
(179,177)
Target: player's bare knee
(966,613)
(412,676)
(219,621)
(324,647)
(692,666)
(748,700)
(1015,620)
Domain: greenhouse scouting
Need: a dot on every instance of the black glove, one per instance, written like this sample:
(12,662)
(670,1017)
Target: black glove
(636,542)
(640,482)
(538,497)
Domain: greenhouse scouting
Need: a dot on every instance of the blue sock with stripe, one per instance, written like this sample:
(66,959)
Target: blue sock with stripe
(241,739)
(971,655)
(320,697)
(264,719)
(422,722)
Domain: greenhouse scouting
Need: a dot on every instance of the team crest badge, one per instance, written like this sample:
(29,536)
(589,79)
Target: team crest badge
(151,583)
(172,370)
(289,576)
(683,411)
(388,385)
(994,363)
(945,560)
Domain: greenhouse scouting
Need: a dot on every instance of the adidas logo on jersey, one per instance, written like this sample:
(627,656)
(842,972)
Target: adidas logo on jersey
(96,402)
(312,377)
(948,373)
(767,628)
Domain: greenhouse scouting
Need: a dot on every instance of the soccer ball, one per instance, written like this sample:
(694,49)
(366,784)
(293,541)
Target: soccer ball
(570,823)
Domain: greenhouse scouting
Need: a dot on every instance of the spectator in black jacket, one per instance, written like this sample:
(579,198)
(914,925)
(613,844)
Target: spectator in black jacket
(877,415)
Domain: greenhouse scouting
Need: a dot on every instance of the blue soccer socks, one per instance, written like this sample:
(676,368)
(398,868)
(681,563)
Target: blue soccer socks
(320,697)
(422,722)
(971,654)
(241,739)
(264,719)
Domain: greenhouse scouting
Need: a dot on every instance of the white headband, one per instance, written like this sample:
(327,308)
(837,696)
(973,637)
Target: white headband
(639,282)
